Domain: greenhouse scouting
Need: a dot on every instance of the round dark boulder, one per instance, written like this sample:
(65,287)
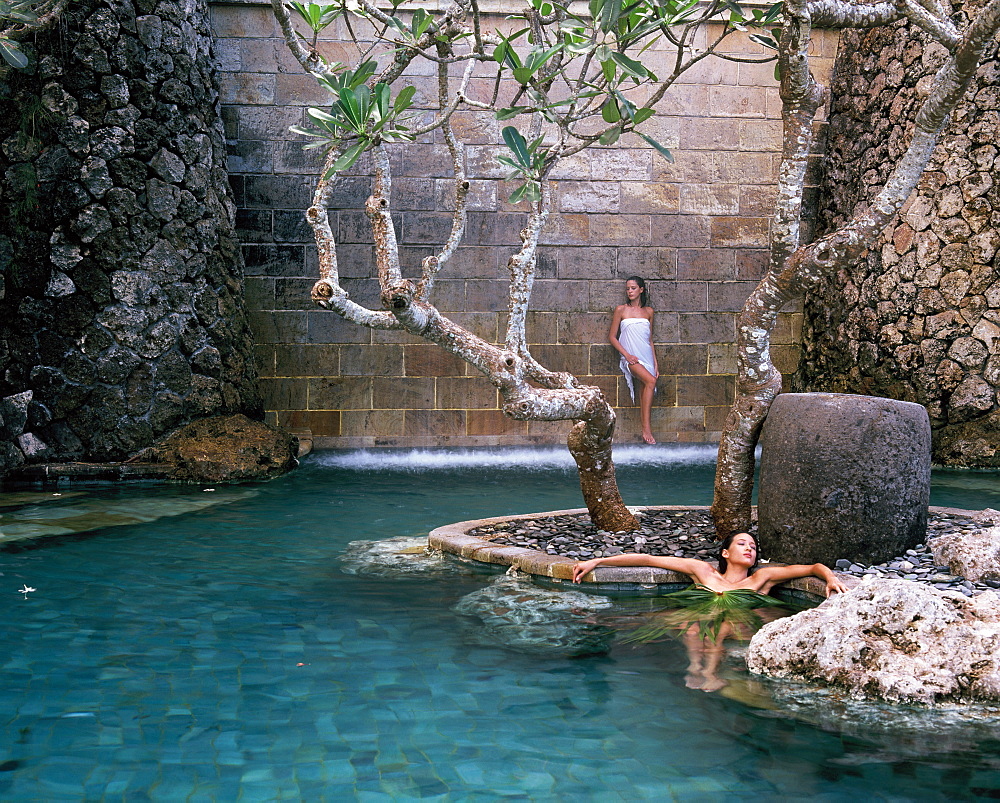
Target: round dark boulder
(843,476)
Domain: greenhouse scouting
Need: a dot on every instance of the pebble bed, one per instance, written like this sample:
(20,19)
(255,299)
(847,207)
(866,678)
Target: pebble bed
(690,534)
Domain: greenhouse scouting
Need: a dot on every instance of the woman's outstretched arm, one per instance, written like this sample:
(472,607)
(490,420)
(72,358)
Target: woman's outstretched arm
(778,574)
(689,566)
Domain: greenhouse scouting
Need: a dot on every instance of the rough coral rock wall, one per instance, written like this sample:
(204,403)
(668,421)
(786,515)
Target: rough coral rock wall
(122,312)
(918,318)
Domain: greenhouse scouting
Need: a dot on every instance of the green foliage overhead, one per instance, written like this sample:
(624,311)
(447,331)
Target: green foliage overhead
(359,117)
(527,160)
(578,72)
(317,17)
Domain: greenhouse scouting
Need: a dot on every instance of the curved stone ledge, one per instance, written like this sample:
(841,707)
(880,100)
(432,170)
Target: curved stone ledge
(622,581)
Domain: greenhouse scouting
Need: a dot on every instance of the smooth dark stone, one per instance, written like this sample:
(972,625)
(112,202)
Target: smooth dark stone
(842,474)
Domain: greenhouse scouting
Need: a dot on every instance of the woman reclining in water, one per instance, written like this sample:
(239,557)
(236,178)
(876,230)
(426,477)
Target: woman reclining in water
(737,559)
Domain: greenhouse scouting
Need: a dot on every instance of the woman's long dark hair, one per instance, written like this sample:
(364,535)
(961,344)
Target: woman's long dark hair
(723,564)
(644,297)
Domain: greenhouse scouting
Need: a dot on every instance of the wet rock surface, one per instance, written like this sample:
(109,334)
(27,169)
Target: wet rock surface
(514,613)
(225,449)
(401,557)
(891,639)
(691,534)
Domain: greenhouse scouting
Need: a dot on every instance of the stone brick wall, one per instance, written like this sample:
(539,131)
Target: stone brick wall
(121,298)
(918,318)
(696,229)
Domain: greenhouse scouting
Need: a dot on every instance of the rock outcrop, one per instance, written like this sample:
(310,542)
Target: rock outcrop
(893,640)
(972,554)
(225,449)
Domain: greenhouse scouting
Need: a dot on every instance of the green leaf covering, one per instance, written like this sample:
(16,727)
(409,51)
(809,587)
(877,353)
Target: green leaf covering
(610,137)
(629,66)
(517,146)
(404,99)
(610,112)
(641,115)
(513,111)
(609,69)
(518,195)
(708,610)
(348,158)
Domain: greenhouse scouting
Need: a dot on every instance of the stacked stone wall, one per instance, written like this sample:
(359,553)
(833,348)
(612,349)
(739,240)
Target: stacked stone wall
(121,300)
(918,318)
(697,229)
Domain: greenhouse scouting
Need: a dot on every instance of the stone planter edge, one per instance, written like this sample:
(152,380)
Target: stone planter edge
(557,571)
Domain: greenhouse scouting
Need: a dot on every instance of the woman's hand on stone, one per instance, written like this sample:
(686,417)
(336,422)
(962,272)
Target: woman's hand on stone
(834,586)
(583,568)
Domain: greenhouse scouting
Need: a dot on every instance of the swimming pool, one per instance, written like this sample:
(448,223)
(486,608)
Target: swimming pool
(223,654)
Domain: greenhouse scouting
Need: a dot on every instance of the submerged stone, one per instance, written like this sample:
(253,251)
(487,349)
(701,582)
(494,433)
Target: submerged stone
(514,613)
(75,512)
(398,557)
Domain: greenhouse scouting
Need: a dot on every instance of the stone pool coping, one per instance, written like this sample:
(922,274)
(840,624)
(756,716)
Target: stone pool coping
(557,570)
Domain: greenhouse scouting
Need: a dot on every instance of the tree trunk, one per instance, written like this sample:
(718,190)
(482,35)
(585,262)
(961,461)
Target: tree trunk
(590,444)
(794,267)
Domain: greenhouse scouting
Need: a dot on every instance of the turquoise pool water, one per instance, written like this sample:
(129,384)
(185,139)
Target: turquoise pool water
(224,655)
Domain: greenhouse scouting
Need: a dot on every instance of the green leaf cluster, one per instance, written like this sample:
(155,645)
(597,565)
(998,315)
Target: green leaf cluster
(359,114)
(611,38)
(317,17)
(420,23)
(527,161)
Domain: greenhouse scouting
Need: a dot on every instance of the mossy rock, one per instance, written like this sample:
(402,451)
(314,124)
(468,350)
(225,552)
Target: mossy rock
(225,449)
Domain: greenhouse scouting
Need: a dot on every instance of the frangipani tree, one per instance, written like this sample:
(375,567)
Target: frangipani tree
(566,80)
(795,266)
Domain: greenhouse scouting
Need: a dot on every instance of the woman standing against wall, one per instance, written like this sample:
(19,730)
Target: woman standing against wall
(631,334)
